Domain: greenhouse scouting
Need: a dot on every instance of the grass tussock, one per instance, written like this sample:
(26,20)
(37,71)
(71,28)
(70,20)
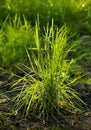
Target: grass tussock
(46,87)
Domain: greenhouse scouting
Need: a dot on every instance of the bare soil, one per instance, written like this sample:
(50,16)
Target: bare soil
(17,121)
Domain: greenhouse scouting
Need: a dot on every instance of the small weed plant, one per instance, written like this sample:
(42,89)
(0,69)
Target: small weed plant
(46,87)
(15,35)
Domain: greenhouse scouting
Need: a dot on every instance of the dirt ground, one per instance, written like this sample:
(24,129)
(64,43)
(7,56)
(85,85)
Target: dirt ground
(18,122)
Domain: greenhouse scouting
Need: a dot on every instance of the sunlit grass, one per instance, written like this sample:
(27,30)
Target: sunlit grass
(46,87)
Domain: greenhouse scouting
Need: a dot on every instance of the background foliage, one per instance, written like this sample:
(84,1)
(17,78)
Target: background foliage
(75,13)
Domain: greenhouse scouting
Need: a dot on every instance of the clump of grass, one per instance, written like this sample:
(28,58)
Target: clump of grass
(46,87)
